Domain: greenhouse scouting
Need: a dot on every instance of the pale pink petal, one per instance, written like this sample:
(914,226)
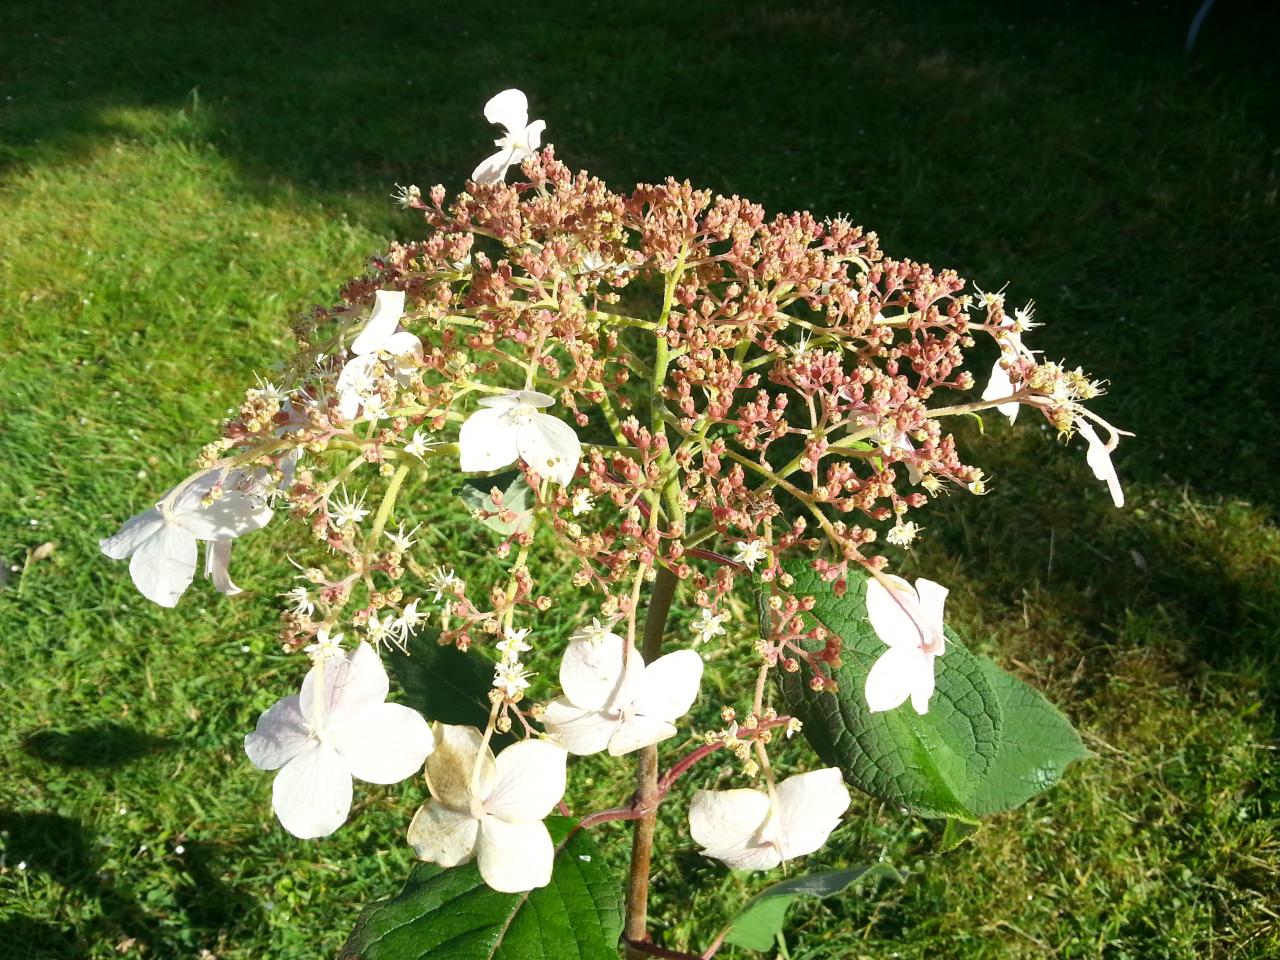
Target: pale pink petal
(387,309)
(312,793)
(451,767)
(163,566)
(894,615)
(509,109)
(518,398)
(217,559)
(335,689)
(533,134)
(667,688)
(591,670)
(726,824)
(515,857)
(494,167)
(637,731)
(549,446)
(1099,459)
(280,736)
(933,599)
(529,783)
(132,534)
(894,675)
(382,743)
(439,834)
(582,731)
(1001,386)
(922,691)
(231,515)
(487,441)
(809,808)
(403,344)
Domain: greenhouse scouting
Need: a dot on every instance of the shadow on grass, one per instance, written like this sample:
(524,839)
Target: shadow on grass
(60,848)
(104,745)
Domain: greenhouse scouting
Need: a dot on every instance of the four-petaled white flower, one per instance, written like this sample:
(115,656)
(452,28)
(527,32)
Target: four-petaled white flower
(379,336)
(490,810)
(160,543)
(509,110)
(750,830)
(751,553)
(339,727)
(621,707)
(1099,459)
(708,626)
(509,427)
(909,621)
(300,601)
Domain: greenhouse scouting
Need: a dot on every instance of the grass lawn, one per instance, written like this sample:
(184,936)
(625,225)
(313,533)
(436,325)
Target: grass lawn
(177,181)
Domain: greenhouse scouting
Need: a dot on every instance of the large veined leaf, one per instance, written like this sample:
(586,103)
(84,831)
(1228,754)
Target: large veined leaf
(443,683)
(761,919)
(1037,745)
(450,914)
(989,742)
(923,763)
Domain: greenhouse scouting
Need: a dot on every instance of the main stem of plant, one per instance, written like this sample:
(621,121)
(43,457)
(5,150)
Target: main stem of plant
(645,800)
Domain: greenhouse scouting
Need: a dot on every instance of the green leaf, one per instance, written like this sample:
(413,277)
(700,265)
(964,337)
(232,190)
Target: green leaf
(450,914)
(926,764)
(759,922)
(443,683)
(988,743)
(516,497)
(1037,745)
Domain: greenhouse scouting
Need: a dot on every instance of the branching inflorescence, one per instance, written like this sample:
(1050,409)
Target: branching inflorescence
(689,389)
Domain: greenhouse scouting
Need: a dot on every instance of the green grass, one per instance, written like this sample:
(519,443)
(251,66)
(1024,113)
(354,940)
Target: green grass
(175,184)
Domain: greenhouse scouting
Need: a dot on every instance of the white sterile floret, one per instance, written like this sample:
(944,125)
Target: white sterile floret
(909,622)
(379,336)
(1098,457)
(751,830)
(160,543)
(338,728)
(509,110)
(490,810)
(613,701)
(510,427)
